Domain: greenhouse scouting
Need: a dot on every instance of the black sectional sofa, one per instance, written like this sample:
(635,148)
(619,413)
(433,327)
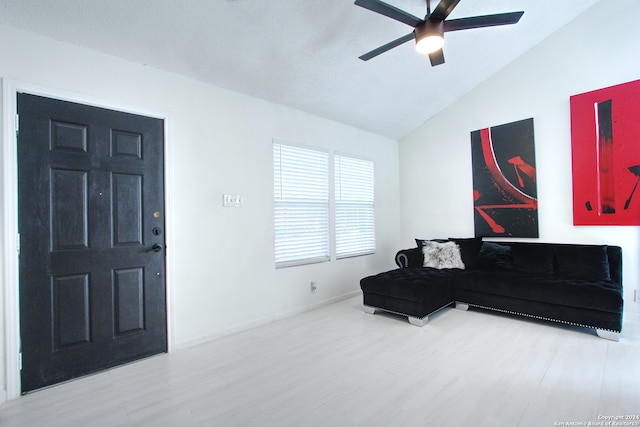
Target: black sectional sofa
(568,283)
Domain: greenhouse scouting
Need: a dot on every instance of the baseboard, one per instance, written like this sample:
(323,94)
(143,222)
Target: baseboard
(263,321)
(316,305)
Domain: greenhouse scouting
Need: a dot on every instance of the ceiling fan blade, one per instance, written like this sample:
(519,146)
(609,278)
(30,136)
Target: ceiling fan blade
(482,21)
(386,47)
(389,11)
(436,57)
(443,9)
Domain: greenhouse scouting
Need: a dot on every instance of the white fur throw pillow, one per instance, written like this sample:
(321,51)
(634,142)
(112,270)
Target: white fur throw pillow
(442,255)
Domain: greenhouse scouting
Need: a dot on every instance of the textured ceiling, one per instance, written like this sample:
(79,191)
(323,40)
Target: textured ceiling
(301,53)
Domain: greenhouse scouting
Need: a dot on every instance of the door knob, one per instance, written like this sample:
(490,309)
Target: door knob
(157,247)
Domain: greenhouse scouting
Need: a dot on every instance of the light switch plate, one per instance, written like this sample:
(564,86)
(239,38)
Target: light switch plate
(232,200)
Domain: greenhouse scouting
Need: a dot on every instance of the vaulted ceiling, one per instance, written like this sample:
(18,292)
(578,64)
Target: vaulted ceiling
(301,53)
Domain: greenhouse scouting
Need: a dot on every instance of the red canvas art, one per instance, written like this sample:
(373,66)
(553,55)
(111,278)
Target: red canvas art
(504,180)
(605,147)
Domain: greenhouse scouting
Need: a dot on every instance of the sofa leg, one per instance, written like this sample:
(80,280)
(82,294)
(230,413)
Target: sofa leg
(369,309)
(608,335)
(417,321)
(462,306)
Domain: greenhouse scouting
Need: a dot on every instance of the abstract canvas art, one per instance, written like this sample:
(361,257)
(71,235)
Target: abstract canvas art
(504,180)
(605,151)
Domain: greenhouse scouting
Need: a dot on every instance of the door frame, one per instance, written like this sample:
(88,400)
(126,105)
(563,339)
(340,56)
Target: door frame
(9,214)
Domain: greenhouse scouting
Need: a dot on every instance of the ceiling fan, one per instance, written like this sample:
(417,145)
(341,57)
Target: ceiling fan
(429,32)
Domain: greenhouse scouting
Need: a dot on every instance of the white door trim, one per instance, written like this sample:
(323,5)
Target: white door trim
(9,214)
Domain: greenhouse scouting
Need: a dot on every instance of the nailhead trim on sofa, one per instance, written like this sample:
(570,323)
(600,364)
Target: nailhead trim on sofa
(537,317)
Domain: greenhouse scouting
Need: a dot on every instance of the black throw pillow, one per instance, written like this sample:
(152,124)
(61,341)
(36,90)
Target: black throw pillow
(496,256)
(420,242)
(533,258)
(583,262)
(469,249)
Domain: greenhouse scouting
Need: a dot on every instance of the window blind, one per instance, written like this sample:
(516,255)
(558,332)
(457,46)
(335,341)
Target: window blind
(301,205)
(355,213)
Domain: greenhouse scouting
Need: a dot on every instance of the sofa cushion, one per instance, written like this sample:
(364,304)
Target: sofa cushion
(582,261)
(442,255)
(603,295)
(469,249)
(496,256)
(421,242)
(412,284)
(614,255)
(534,258)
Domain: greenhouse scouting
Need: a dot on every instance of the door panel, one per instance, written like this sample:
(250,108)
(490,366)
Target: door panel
(69,209)
(70,310)
(127,210)
(90,193)
(129,300)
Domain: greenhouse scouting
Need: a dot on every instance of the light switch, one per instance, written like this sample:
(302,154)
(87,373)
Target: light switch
(232,200)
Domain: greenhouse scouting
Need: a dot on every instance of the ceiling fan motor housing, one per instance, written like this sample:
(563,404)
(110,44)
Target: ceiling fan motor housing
(430,28)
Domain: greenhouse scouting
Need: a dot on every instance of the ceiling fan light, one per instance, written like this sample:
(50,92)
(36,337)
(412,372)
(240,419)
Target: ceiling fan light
(430,44)
(429,36)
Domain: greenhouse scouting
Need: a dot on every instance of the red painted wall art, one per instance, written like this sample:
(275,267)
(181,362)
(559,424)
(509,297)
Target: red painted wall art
(504,180)
(605,149)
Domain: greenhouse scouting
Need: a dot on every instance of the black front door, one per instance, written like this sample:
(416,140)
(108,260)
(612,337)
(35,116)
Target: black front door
(91,223)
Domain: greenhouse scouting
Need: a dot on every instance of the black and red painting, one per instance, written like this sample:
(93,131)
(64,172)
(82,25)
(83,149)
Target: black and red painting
(505,199)
(605,152)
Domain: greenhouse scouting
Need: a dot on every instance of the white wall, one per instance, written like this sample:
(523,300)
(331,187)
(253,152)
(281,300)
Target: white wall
(435,160)
(221,259)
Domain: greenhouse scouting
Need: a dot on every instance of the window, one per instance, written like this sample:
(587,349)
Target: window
(355,219)
(301,205)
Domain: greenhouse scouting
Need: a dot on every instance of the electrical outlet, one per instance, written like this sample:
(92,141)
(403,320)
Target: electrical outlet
(313,287)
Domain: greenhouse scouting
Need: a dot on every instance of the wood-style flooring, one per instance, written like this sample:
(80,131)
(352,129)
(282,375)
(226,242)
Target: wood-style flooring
(337,366)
